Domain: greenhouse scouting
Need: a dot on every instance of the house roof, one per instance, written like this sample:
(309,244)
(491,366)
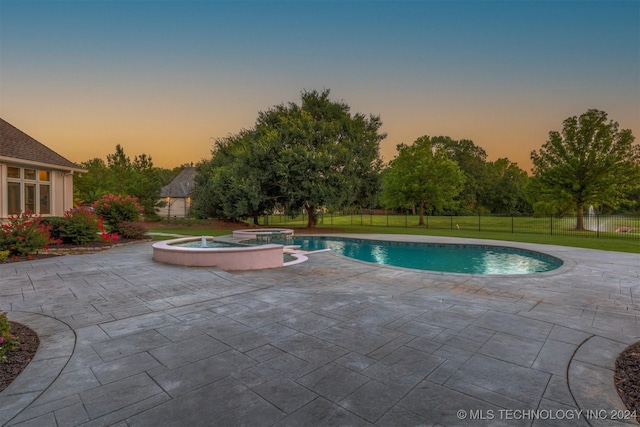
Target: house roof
(181,185)
(18,145)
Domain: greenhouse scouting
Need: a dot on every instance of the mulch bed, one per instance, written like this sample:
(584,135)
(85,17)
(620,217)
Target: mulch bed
(19,358)
(627,378)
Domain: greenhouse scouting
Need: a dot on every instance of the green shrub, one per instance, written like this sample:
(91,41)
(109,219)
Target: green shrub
(7,340)
(24,234)
(131,230)
(80,227)
(56,224)
(4,255)
(117,209)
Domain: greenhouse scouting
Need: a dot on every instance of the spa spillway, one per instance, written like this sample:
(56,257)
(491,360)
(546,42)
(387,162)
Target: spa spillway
(205,252)
(264,234)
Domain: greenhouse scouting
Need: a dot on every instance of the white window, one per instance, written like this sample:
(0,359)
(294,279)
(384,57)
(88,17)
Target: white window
(28,189)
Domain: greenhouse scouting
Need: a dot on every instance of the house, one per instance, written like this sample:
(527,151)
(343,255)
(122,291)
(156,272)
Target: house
(177,195)
(32,176)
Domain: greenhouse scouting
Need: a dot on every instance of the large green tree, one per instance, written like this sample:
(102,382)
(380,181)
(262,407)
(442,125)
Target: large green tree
(119,175)
(422,174)
(327,156)
(235,183)
(506,191)
(305,156)
(90,186)
(472,160)
(591,161)
(545,202)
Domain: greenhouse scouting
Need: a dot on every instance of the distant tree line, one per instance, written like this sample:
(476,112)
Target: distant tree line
(119,175)
(318,155)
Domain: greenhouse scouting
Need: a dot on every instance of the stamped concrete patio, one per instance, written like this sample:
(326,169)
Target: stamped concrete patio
(329,342)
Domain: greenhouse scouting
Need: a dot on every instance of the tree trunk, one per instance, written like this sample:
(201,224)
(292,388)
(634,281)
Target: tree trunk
(580,217)
(311,224)
(421,213)
(255,220)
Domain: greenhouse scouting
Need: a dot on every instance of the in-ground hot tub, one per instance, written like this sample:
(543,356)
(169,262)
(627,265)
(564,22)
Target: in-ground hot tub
(227,256)
(263,233)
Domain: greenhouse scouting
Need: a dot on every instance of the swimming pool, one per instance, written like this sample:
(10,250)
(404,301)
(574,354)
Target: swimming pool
(450,258)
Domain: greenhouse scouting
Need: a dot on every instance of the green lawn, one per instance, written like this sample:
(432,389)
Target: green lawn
(531,230)
(547,225)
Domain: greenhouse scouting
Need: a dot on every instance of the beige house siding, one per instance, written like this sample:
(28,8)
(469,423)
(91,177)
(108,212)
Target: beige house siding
(62,193)
(3,191)
(177,195)
(61,188)
(45,179)
(176,208)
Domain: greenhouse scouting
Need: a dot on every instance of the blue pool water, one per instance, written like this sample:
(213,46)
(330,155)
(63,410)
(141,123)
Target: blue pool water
(451,258)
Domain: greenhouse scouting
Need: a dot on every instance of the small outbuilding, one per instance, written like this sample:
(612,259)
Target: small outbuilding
(177,195)
(32,176)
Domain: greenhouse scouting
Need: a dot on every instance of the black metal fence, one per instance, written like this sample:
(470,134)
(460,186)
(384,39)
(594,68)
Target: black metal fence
(594,226)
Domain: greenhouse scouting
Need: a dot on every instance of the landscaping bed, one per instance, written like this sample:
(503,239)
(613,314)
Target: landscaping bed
(627,378)
(19,357)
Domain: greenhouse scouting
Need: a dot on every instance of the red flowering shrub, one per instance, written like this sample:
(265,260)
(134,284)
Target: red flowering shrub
(117,209)
(56,225)
(24,234)
(109,237)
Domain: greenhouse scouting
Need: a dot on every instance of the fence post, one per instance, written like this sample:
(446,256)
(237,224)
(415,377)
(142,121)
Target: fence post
(451,216)
(551,218)
(331,218)
(387,212)
(597,225)
(405,219)
(478,221)
(511,223)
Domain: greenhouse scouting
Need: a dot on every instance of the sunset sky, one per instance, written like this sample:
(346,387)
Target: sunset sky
(166,78)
